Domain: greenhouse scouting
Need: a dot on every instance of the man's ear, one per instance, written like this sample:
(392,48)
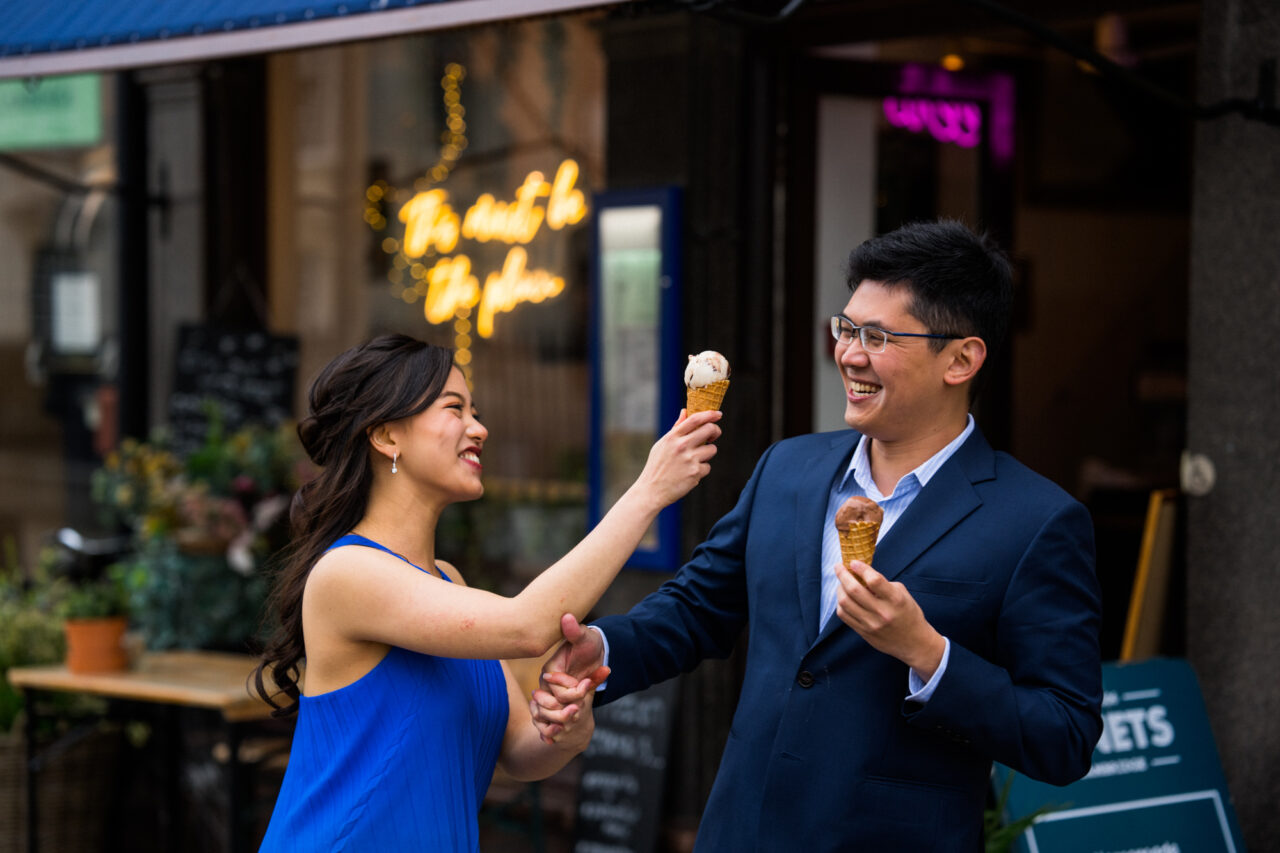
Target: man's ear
(966,359)
(382,439)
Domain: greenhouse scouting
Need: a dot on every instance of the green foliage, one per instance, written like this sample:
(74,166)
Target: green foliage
(205,525)
(30,629)
(191,600)
(998,834)
(98,599)
(230,489)
(138,485)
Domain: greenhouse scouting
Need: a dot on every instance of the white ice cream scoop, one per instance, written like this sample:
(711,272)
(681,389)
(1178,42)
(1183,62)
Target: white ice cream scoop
(704,368)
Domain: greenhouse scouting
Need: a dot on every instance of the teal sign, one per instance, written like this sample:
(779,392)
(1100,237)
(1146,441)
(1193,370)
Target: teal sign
(1156,784)
(51,112)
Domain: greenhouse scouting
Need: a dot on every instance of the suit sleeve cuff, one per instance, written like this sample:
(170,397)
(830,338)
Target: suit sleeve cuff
(605,639)
(920,692)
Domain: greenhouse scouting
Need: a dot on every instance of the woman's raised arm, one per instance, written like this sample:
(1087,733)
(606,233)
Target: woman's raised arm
(369,595)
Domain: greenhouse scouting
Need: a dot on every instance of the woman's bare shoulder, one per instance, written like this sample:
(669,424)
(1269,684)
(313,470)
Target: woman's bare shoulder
(339,569)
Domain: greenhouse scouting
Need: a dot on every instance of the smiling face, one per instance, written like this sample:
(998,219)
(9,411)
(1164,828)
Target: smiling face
(901,394)
(440,447)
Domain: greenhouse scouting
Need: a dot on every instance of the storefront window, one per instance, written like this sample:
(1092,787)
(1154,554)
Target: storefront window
(474,163)
(58,285)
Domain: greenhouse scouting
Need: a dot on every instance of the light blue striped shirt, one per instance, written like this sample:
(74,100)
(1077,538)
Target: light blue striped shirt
(857,481)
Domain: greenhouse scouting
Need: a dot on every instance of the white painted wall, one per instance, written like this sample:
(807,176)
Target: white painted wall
(845,199)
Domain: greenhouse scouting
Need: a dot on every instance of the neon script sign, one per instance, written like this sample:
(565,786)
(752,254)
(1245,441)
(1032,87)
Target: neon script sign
(953,122)
(433,225)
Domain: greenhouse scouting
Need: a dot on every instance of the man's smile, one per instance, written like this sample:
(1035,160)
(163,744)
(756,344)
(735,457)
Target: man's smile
(862,389)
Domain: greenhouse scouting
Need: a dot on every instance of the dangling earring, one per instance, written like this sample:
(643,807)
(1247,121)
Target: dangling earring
(394,457)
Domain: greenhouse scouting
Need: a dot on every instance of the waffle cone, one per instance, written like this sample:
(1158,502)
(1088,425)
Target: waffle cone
(707,398)
(858,541)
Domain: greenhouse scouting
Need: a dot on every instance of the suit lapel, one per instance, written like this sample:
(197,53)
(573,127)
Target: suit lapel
(946,501)
(816,479)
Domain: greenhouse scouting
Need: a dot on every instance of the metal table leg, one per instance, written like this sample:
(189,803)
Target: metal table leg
(173,776)
(236,799)
(33,807)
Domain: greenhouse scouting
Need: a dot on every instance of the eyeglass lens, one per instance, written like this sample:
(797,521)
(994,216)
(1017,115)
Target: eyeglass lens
(872,339)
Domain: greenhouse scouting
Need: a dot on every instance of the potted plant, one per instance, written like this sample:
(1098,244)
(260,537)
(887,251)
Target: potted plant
(96,616)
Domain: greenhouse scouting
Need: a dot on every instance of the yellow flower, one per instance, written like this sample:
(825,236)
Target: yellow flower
(153,524)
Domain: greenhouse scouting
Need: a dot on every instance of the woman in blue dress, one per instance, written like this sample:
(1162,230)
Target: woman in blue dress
(406,706)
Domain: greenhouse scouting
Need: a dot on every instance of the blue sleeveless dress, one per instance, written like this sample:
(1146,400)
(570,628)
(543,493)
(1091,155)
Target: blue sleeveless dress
(398,760)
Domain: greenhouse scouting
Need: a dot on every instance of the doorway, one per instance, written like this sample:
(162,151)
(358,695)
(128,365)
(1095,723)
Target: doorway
(877,145)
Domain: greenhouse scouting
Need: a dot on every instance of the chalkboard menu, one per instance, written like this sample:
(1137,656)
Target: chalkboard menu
(623,773)
(248,376)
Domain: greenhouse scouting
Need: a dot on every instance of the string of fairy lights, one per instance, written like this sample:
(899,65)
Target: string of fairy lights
(407,276)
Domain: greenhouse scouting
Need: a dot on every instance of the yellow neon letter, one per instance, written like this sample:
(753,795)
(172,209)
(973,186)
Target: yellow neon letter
(511,222)
(566,205)
(429,219)
(504,291)
(450,286)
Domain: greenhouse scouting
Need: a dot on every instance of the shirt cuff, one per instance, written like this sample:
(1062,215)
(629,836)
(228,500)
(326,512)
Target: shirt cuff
(604,639)
(920,692)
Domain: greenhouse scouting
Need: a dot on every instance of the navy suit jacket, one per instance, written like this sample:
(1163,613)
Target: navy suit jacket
(824,752)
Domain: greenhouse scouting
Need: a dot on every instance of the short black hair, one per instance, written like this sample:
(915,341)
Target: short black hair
(960,282)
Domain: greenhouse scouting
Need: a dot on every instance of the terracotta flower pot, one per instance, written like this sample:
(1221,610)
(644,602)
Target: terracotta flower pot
(97,645)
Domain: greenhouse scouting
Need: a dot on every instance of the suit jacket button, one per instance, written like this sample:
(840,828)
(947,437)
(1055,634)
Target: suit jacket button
(805,679)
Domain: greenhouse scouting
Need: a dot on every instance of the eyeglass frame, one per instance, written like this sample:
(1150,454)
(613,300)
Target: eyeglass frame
(837,320)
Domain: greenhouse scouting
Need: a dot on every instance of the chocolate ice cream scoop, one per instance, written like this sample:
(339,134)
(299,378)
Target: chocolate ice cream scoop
(858,509)
(858,524)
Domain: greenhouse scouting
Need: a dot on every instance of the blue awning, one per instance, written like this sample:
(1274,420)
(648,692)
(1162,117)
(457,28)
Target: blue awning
(67,36)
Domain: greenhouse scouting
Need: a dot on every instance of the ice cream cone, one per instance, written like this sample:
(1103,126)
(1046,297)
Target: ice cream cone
(858,541)
(707,398)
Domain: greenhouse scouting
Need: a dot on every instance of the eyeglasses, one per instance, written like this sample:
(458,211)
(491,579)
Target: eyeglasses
(873,340)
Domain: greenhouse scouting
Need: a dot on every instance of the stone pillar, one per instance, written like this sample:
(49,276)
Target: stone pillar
(1233,539)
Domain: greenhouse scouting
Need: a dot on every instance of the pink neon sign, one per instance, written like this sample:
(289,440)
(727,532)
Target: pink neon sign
(954,122)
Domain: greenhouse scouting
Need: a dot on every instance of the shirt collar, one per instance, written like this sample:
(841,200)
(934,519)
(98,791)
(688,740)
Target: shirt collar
(860,464)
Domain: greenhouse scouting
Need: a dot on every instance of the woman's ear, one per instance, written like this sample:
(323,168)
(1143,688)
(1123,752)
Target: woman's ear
(382,438)
(966,360)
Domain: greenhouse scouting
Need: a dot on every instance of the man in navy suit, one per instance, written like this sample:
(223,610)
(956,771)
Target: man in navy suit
(876,698)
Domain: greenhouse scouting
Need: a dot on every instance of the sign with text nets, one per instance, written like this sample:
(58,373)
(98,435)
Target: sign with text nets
(1156,784)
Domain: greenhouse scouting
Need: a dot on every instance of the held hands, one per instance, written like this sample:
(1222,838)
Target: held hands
(569,679)
(886,616)
(680,458)
(562,713)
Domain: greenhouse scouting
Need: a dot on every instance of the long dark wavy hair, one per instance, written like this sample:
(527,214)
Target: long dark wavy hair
(389,378)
